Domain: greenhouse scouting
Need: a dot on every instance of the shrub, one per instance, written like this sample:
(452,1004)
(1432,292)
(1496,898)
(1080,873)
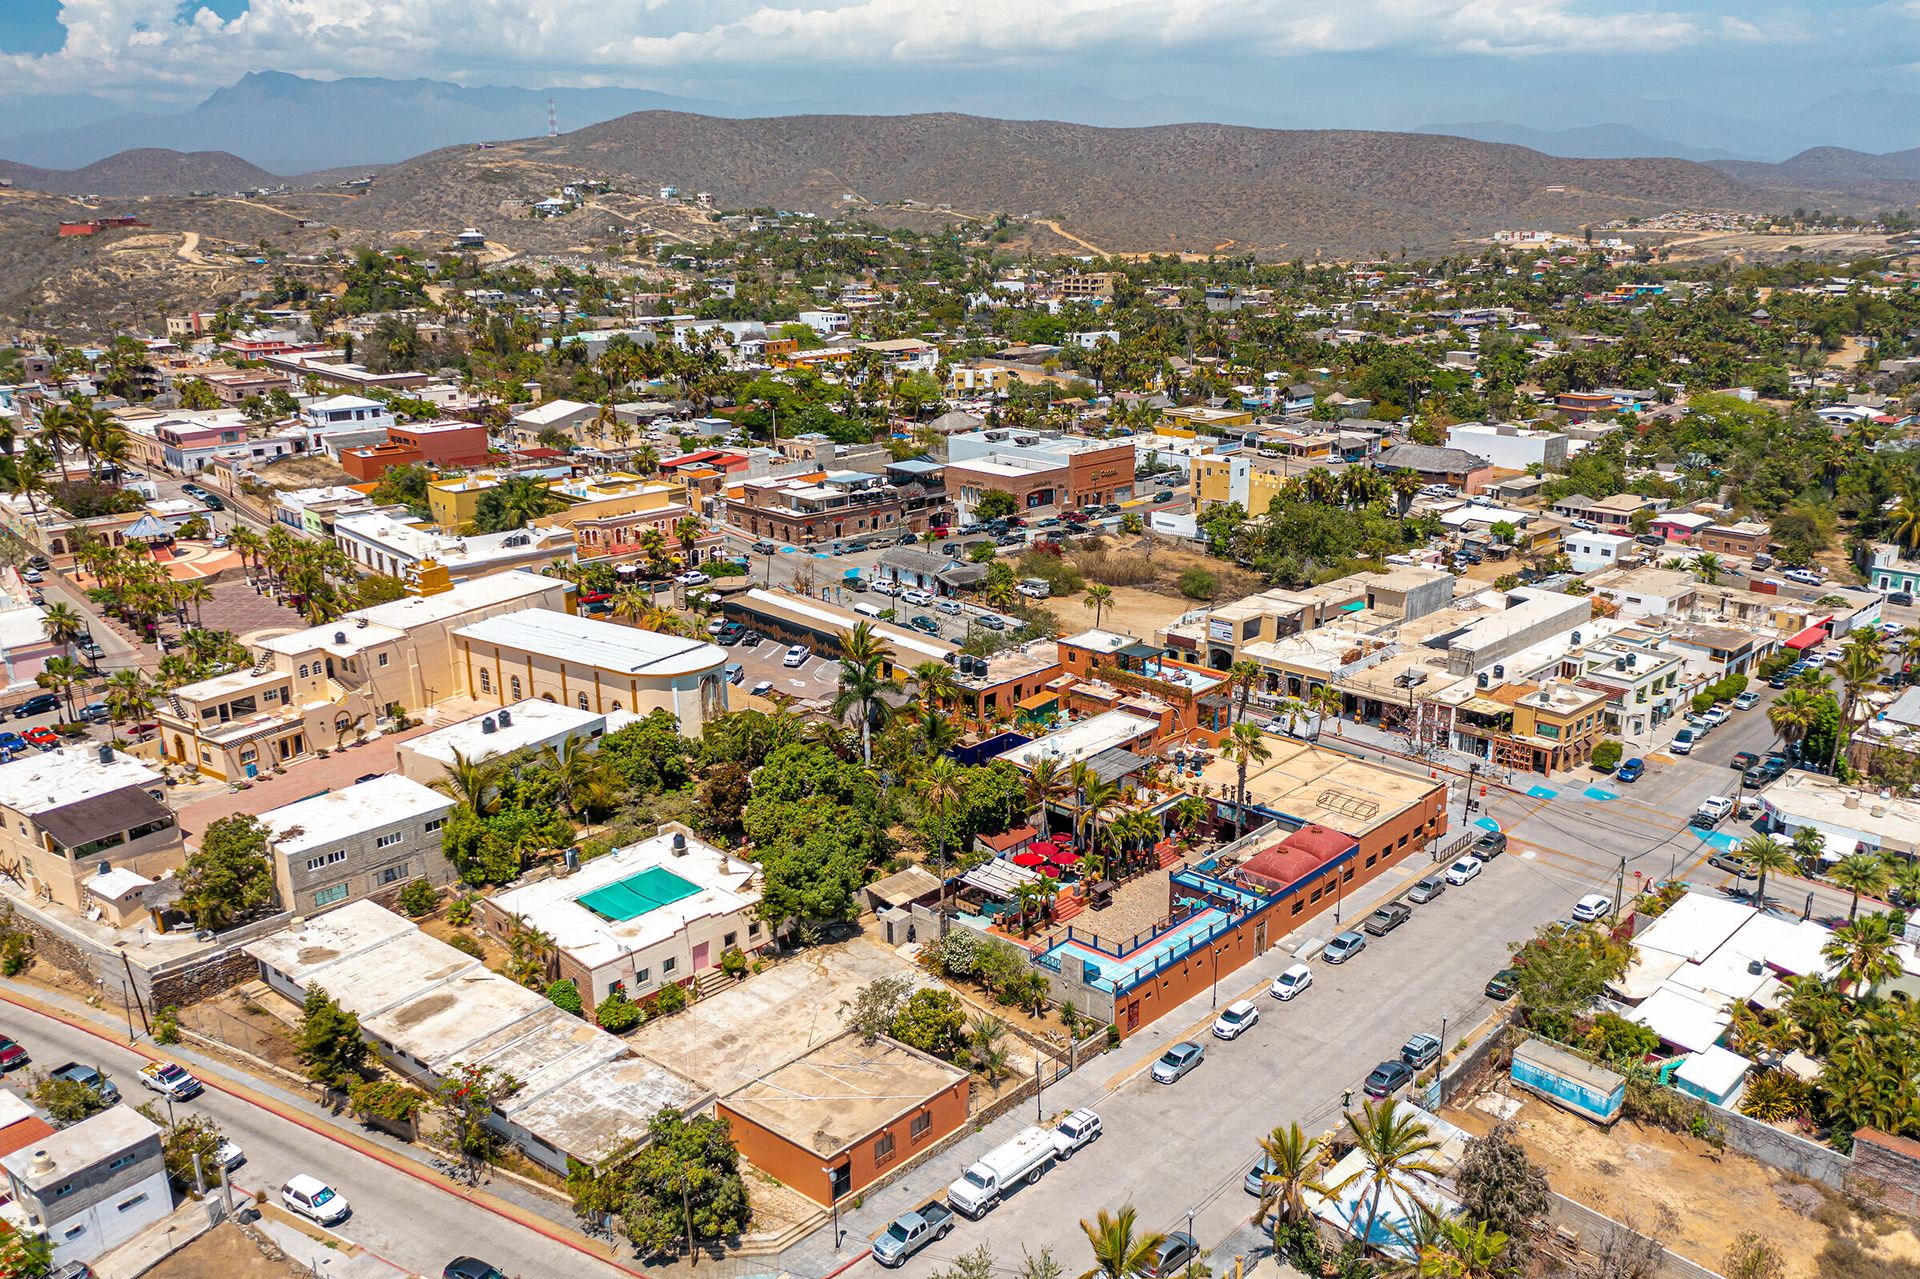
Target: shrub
(1702,701)
(386,1099)
(467,944)
(671,999)
(733,962)
(1114,568)
(1506,581)
(618,1014)
(932,1021)
(1197,584)
(166,1025)
(1056,572)
(565,995)
(460,912)
(419,898)
(1774,1096)
(1606,756)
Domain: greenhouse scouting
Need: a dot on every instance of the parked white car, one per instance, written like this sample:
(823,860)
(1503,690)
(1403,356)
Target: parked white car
(796,656)
(919,599)
(1081,1128)
(1234,1019)
(1593,906)
(1463,871)
(315,1199)
(1291,982)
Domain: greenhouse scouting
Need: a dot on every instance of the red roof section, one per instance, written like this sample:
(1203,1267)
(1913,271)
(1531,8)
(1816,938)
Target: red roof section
(1323,842)
(1279,867)
(25,1132)
(1018,837)
(1808,638)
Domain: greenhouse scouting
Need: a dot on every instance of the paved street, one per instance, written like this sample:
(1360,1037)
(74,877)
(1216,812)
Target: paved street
(419,1225)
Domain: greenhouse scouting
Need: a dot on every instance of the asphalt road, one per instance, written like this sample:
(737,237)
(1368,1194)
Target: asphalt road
(414,1224)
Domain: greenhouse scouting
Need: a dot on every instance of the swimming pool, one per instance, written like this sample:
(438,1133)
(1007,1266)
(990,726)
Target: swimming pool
(1175,941)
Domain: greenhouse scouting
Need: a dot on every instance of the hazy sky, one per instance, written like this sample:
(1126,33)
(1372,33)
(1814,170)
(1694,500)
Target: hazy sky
(1359,62)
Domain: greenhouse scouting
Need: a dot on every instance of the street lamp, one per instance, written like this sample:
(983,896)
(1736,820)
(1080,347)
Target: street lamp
(833,1201)
(1194,1248)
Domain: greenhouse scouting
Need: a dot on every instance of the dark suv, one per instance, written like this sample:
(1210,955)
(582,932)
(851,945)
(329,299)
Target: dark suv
(1490,845)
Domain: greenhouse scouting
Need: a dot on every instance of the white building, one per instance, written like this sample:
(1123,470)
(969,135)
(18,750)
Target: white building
(826,323)
(363,840)
(396,545)
(1510,447)
(1849,819)
(345,413)
(90,1187)
(652,914)
(1590,551)
(531,725)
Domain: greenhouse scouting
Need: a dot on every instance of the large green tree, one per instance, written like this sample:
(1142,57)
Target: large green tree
(230,875)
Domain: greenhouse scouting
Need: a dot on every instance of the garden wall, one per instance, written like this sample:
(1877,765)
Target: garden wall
(1782,1150)
(1886,1169)
(1591,1226)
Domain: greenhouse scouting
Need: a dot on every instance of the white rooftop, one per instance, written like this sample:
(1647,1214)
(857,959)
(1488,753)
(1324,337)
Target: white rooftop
(66,776)
(550,412)
(725,886)
(414,540)
(606,645)
(1083,740)
(534,722)
(326,819)
(396,618)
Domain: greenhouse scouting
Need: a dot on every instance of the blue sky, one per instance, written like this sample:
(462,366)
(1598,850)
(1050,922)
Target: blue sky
(1356,63)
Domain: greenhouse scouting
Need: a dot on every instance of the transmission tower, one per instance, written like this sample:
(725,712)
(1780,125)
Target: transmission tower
(553,119)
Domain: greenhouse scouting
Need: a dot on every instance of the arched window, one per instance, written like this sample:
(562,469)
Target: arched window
(616,706)
(583,701)
(486,680)
(513,686)
(303,672)
(548,697)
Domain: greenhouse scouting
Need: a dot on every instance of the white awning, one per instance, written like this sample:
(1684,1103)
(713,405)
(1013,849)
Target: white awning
(999,878)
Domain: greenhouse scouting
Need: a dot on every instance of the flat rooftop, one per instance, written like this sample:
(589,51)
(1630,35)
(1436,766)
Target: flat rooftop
(615,904)
(843,1092)
(1083,740)
(55,779)
(111,1132)
(827,619)
(399,617)
(745,1032)
(534,722)
(1803,799)
(1326,787)
(609,646)
(326,819)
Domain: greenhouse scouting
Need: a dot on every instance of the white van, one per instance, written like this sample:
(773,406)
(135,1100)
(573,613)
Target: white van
(867,610)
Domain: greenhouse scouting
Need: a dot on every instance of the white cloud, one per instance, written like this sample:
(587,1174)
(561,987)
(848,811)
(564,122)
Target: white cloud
(146,45)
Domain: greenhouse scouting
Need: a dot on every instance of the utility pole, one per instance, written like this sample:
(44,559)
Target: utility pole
(1620,887)
(1039,1085)
(1440,1065)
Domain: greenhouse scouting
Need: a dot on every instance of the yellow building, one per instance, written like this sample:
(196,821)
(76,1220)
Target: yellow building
(1208,421)
(609,514)
(1234,477)
(455,502)
(965,380)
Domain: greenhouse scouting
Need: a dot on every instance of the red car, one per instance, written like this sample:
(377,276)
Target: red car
(12,1055)
(43,737)
(595,597)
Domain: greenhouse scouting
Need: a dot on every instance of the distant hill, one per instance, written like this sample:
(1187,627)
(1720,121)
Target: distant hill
(291,124)
(1592,141)
(1190,187)
(148,171)
(1830,169)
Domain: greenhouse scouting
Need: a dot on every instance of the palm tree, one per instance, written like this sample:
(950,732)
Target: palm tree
(1460,1249)
(1243,675)
(470,782)
(1809,848)
(940,785)
(1119,1253)
(1097,795)
(1393,1144)
(1794,714)
(1866,952)
(863,677)
(129,697)
(1044,783)
(1861,873)
(1245,745)
(1859,670)
(248,545)
(1099,599)
(935,683)
(195,593)
(1768,856)
(1707,566)
(62,623)
(687,531)
(62,676)
(1327,702)
(579,777)
(1293,1156)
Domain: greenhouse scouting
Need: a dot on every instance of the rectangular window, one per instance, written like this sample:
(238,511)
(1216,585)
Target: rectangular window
(753,930)
(883,1147)
(121,1162)
(132,1203)
(388,841)
(383,659)
(728,940)
(394,874)
(436,824)
(333,858)
(668,964)
(328,896)
(921,1125)
(641,976)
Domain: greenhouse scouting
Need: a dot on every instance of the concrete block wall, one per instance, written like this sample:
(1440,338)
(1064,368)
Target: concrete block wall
(1886,1169)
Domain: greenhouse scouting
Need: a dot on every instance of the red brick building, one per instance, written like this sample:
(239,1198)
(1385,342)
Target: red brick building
(444,445)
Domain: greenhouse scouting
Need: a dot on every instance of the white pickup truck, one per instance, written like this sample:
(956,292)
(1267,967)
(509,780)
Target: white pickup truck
(980,1187)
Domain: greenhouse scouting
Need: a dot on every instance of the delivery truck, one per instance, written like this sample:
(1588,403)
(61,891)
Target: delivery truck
(980,1187)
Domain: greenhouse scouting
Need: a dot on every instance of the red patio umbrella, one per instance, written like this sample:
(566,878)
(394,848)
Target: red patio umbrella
(1063,857)
(1029,859)
(1044,847)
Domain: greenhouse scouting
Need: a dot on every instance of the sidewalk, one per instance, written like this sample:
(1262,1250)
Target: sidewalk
(543,1214)
(1096,1079)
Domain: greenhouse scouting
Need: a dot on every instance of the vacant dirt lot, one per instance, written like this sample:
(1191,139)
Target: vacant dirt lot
(1633,1172)
(226,1252)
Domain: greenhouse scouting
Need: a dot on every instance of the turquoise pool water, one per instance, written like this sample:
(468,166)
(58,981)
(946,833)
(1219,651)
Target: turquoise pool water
(1174,942)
